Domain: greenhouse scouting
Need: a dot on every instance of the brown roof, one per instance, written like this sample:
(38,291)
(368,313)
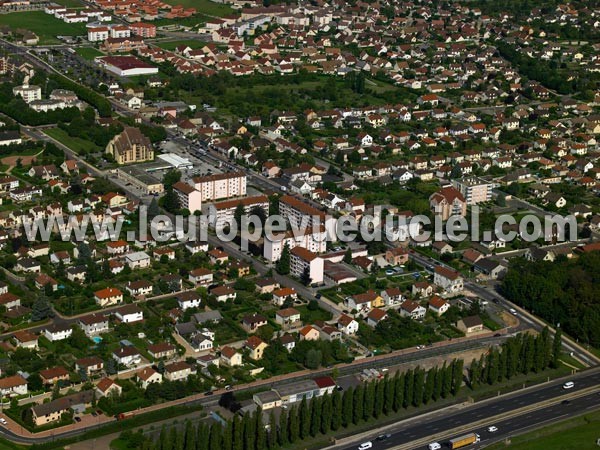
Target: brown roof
(303,253)
(377,314)
(11,382)
(437,302)
(287,312)
(104,384)
(228,352)
(54,372)
(146,373)
(253,342)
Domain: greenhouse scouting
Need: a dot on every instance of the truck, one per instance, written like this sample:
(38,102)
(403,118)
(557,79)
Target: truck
(463,441)
(125,415)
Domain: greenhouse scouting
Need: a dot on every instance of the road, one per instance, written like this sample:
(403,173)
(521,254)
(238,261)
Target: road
(443,426)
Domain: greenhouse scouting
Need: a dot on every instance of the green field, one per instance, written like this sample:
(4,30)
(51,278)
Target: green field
(88,52)
(189,42)
(580,433)
(204,7)
(76,144)
(44,25)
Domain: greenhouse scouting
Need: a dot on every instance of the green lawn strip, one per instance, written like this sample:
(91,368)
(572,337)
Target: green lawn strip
(88,53)
(204,7)
(78,145)
(581,433)
(45,26)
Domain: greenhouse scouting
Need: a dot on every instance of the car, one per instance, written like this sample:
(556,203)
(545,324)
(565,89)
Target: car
(228,387)
(565,402)
(3,421)
(208,393)
(389,272)
(94,414)
(318,296)
(434,446)
(568,385)
(496,301)
(513,311)
(383,437)
(492,429)
(77,419)
(365,445)
(497,335)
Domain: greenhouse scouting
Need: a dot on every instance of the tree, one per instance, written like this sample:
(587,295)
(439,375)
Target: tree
(399,381)
(457,376)
(315,416)
(556,348)
(389,394)
(336,410)
(170,178)
(313,359)
(190,436)
(272,437)
(358,406)
(304,414)
(419,387)
(238,214)
(379,398)
(305,278)
(294,426)
(326,413)
(348,256)
(41,309)
(283,264)
(369,401)
(348,407)
(409,384)
(170,201)
(429,385)
(446,380)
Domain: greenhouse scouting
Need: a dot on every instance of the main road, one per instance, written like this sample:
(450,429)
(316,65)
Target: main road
(512,414)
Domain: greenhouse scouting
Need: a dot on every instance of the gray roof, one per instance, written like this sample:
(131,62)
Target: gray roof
(267,396)
(63,403)
(208,316)
(298,387)
(185,328)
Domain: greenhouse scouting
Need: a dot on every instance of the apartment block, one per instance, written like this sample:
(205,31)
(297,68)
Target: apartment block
(221,186)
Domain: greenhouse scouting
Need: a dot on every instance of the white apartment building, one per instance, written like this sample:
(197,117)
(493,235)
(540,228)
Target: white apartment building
(314,240)
(28,92)
(189,197)
(221,213)
(98,34)
(473,189)
(301,258)
(221,186)
(300,214)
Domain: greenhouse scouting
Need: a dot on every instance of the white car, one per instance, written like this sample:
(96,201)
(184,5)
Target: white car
(3,421)
(568,385)
(365,445)
(434,446)
(492,429)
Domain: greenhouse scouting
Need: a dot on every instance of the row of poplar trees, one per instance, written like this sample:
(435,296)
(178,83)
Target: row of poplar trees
(521,354)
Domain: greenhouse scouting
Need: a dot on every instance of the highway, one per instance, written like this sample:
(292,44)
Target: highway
(416,433)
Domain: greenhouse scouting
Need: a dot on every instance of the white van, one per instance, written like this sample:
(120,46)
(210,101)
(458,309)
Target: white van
(434,446)
(365,445)
(568,385)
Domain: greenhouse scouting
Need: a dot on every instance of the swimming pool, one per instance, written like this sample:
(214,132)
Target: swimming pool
(97,339)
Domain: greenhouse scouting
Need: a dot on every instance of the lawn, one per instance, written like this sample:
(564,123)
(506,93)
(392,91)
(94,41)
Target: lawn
(204,7)
(78,145)
(580,433)
(44,25)
(88,53)
(189,42)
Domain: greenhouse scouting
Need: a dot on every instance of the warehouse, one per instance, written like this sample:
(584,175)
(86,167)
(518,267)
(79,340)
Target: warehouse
(125,66)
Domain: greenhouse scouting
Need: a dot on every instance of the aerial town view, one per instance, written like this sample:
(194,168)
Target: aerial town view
(299,225)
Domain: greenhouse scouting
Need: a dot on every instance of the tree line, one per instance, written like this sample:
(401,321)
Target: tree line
(565,292)
(314,417)
(373,400)
(521,354)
